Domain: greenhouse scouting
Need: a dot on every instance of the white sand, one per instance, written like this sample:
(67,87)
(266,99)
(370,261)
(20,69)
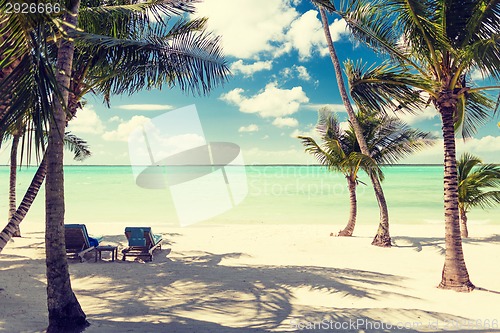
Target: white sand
(254,278)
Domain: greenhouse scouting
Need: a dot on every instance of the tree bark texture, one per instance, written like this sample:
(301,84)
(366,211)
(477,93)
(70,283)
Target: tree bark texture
(454,275)
(349,228)
(65,313)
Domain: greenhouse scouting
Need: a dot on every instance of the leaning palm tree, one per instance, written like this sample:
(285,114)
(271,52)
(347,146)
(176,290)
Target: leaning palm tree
(477,186)
(200,67)
(388,139)
(432,46)
(382,238)
(74,144)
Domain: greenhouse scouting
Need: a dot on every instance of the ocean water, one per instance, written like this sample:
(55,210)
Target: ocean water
(272,195)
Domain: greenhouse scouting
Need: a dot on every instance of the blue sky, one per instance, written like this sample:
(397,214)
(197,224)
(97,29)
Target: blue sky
(282,75)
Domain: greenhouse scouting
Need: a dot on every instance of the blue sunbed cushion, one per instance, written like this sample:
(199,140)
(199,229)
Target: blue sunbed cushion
(94,241)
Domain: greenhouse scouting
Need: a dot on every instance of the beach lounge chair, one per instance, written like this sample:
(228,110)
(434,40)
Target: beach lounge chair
(141,242)
(78,241)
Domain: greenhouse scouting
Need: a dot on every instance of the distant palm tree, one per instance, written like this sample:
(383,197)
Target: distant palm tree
(431,48)
(477,186)
(338,153)
(388,139)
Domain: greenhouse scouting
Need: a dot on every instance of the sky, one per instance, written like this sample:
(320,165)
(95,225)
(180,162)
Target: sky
(281,76)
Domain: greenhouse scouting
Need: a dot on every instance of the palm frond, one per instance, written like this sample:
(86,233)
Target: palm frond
(322,156)
(392,140)
(367,163)
(478,109)
(386,87)
(183,56)
(30,88)
(363,19)
(477,183)
(116,18)
(472,21)
(77,146)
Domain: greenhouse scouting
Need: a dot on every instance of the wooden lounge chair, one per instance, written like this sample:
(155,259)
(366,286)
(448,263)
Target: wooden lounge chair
(78,241)
(141,242)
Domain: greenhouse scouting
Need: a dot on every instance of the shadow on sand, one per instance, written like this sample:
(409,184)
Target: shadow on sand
(205,292)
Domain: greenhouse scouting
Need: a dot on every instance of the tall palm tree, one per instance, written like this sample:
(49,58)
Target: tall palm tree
(193,61)
(382,238)
(477,186)
(432,46)
(388,139)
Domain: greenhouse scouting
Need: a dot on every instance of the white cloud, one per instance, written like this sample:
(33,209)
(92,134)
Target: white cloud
(124,129)
(145,107)
(285,122)
(248,69)
(332,107)
(306,35)
(251,27)
(272,27)
(115,119)
(86,121)
(303,73)
(249,128)
(271,102)
(486,148)
(300,72)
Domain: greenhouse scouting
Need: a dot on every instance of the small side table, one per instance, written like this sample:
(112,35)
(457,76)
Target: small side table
(109,248)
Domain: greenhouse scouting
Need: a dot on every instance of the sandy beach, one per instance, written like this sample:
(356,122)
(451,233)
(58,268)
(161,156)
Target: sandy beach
(256,278)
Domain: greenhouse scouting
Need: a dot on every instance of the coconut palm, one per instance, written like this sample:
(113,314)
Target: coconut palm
(388,139)
(477,186)
(382,238)
(432,46)
(192,61)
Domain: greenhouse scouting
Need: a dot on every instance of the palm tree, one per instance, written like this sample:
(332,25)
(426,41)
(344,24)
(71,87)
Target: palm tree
(191,60)
(337,152)
(432,47)
(388,138)
(477,185)
(72,143)
(382,238)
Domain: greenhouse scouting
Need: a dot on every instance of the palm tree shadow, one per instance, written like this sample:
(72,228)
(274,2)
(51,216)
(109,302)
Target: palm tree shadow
(418,243)
(189,287)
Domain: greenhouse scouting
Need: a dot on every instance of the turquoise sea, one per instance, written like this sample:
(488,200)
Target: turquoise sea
(274,195)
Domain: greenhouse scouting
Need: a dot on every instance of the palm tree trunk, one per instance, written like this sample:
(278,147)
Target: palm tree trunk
(349,229)
(12,182)
(455,275)
(382,238)
(464,232)
(65,312)
(25,205)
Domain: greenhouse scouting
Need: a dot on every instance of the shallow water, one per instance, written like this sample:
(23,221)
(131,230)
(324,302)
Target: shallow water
(275,195)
